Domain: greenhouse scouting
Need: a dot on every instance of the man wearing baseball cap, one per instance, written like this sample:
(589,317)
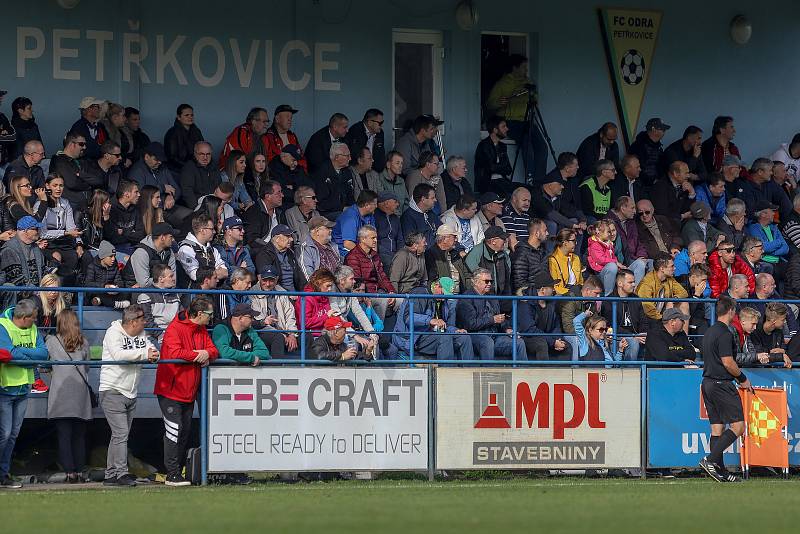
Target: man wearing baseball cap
(274,311)
(236,339)
(21,259)
(491,207)
(90,127)
(279,253)
(280,135)
(776,250)
(668,342)
(249,137)
(491,254)
(316,250)
(648,148)
(330,345)
(232,249)
(699,228)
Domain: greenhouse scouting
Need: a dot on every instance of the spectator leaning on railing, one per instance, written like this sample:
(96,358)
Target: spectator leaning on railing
(274,312)
(176,385)
(124,341)
(237,340)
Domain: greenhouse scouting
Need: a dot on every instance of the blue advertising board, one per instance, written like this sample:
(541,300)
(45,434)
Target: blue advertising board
(677,431)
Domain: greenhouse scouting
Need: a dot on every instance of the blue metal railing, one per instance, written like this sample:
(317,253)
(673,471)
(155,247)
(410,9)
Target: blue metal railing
(303,332)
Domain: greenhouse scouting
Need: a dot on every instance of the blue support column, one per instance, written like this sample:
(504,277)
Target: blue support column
(302,328)
(514,331)
(410,329)
(204,425)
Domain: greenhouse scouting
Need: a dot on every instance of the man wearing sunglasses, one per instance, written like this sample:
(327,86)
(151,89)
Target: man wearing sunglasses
(105,170)
(369,133)
(66,163)
(90,126)
(723,263)
(186,338)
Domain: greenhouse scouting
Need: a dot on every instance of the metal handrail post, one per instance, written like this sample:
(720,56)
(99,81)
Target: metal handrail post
(204,425)
(613,328)
(643,420)
(302,328)
(410,329)
(80,308)
(514,331)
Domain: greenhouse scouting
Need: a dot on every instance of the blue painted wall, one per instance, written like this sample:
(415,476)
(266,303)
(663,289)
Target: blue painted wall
(697,72)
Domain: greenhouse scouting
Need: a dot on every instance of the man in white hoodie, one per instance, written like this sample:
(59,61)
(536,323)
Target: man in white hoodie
(125,341)
(789,155)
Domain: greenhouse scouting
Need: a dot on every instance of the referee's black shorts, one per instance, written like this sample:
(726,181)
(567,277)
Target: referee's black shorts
(723,404)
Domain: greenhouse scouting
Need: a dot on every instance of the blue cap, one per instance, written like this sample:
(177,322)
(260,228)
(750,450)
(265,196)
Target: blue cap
(281,229)
(268,271)
(230,222)
(28,222)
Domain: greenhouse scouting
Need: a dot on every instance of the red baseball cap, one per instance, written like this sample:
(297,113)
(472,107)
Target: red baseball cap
(334,322)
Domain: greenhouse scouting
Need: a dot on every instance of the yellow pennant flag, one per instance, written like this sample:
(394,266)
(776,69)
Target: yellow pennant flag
(630,42)
(763,423)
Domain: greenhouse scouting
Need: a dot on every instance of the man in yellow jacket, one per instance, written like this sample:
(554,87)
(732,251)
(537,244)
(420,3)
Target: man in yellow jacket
(20,338)
(509,99)
(660,283)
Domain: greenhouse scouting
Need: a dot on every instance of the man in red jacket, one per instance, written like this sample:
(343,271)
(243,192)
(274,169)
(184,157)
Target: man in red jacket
(250,137)
(724,263)
(186,338)
(280,134)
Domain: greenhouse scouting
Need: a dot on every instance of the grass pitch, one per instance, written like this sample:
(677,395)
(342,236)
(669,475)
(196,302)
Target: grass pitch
(538,505)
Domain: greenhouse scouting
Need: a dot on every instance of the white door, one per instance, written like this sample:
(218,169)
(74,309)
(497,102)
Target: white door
(417,57)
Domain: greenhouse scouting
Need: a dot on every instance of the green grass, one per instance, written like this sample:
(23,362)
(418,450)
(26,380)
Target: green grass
(538,505)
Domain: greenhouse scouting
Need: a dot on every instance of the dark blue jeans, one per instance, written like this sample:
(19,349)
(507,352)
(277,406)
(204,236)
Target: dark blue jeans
(12,414)
(534,149)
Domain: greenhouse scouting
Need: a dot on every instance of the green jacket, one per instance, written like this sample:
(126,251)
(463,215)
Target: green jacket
(507,86)
(231,348)
(23,344)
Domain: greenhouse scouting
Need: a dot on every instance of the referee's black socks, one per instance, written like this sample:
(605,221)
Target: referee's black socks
(719,444)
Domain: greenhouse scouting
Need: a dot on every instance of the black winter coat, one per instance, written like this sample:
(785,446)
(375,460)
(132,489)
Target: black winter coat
(19,167)
(318,151)
(98,276)
(589,154)
(334,190)
(526,262)
(490,159)
(179,145)
(451,191)
(27,130)
(197,181)
(649,153)
(356,139)
(257,224)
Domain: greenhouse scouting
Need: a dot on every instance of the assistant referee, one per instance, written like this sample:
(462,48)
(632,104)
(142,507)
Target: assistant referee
(723,405)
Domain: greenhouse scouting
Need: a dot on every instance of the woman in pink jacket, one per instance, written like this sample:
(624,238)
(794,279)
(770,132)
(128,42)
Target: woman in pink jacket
(317,308)
(601,256)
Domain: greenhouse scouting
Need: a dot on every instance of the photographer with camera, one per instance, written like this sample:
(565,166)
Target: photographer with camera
(509,99)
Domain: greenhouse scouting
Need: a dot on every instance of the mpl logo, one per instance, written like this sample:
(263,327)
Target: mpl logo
(492,399)
(494,396)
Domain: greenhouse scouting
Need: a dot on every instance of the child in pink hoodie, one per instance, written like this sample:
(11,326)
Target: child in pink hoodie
(601,256)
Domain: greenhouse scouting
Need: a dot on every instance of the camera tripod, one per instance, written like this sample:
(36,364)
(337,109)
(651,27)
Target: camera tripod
(533,117)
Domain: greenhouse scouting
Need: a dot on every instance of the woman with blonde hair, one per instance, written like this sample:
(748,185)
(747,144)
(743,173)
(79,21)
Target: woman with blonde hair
(564,264)
(20,196)
(593,344)
(51,303)
(69,402)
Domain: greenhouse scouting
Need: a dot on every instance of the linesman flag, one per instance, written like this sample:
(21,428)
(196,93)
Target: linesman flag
(763,422)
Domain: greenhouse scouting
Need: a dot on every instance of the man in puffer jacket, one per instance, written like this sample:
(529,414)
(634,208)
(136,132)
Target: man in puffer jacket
(647,147)
(723,263)
(176,385)
(529,257)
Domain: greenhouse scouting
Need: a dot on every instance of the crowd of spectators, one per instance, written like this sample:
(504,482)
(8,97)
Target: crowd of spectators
(113,209)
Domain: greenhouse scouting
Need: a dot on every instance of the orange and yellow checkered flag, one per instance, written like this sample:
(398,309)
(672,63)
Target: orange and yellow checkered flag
(763,423)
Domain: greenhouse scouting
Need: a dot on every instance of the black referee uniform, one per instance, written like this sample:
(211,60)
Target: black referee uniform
(720,395)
